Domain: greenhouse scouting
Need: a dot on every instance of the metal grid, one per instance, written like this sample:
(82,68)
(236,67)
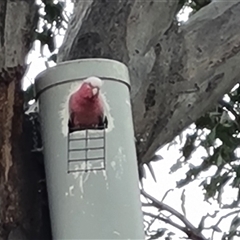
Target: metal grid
(86,153)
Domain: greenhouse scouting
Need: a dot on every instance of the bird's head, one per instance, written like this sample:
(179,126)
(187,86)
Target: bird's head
(90,87)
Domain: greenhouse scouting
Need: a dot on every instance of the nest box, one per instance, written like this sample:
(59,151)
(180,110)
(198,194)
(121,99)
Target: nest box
(91,173)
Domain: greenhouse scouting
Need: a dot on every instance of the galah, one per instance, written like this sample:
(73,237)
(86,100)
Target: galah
(86,107)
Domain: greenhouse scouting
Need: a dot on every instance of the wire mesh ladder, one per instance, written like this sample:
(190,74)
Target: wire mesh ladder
(87,152)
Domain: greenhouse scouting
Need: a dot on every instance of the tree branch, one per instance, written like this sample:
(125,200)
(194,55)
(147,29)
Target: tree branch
(197,63)
(191,231)
(168,221)
(223,217)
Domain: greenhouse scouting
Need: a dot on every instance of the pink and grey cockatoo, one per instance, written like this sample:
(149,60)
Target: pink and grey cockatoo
(86,107)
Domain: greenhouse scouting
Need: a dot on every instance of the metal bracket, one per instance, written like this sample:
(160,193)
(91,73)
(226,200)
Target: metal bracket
(86,153)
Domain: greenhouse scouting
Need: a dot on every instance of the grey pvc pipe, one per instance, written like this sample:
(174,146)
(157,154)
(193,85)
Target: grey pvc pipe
(96,204)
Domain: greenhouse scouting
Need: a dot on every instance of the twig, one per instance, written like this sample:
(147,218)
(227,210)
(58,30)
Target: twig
(221,218)
(165,195)
(201,224)
(169,221)
(191,231)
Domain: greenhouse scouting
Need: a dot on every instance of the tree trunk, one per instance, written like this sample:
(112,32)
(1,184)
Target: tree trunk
(20,205)
(177,73)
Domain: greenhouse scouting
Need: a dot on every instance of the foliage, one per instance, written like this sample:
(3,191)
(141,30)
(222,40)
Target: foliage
(53,20)
(221,145)
(217,132)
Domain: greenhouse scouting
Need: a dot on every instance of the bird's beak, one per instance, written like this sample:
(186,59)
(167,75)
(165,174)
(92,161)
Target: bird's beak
(95,91)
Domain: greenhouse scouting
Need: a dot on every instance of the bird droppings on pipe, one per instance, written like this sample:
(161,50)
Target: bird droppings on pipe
(83,177)
(118,159)
(71,188)
(113,164)
(117,233)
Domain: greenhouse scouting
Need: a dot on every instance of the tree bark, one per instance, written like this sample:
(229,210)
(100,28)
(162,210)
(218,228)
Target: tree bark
(19,199)
(177,72)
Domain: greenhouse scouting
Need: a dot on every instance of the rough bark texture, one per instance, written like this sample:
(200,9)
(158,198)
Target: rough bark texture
(19,197)
(177,73)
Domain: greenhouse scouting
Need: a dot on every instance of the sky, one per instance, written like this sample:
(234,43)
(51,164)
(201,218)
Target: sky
(195,205)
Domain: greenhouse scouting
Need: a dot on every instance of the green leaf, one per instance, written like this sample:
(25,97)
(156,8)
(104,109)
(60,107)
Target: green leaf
(53,12)
(176,166)
(29,94)
(212,136)
(219,160)
(216,229)
(189,146)
(53,57)
(234,226)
